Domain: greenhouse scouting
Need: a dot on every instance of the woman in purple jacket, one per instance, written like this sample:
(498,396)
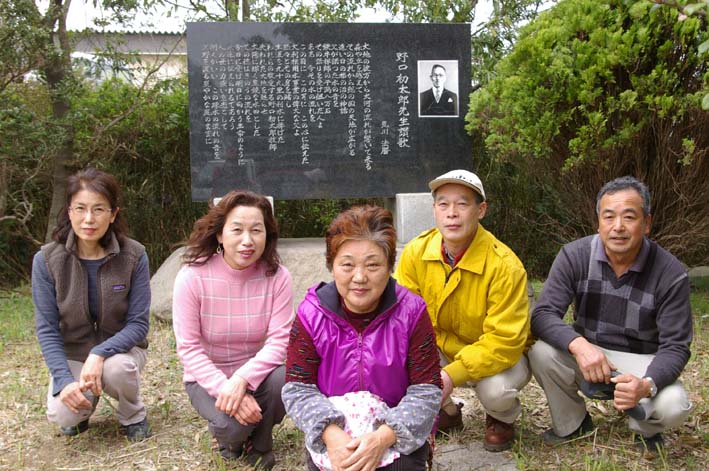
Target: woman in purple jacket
(359,340)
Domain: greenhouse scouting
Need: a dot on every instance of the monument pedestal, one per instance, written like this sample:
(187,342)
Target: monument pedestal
(413,214)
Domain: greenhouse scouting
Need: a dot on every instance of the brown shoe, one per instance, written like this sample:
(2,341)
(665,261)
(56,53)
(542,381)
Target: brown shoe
(448,423)
(498,435)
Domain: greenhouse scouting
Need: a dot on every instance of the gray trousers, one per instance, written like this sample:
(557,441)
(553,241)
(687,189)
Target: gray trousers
(121,381)
(558,374)
(230,434)
(499,394)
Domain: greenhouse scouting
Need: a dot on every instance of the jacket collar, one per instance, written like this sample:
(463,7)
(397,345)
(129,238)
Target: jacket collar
(330,298)
(70,245)
(640,261)
(475,255)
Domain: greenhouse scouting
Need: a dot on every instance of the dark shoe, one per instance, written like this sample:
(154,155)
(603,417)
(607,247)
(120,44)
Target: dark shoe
(260,460)
(550,438)
(498,435)
(230,454)
(448,423)
(653,444)
(81,427)
(138,431)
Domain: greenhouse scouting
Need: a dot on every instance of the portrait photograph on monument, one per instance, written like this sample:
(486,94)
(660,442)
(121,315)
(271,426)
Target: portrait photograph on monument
(438,88)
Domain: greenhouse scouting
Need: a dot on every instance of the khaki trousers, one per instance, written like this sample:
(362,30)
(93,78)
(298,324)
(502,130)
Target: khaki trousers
(121,381)
(558,374)
(498,394)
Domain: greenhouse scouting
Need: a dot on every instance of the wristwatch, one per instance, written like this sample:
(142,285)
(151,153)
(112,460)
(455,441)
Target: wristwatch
(653,386)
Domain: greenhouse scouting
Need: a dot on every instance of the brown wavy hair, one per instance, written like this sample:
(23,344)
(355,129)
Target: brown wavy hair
(203,242)
(105,185)
(362,223)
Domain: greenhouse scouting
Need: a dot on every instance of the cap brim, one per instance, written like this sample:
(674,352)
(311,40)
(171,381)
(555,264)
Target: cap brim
(439,182)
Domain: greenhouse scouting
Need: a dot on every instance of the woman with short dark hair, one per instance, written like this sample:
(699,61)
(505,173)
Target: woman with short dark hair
(362,372)
(91,291)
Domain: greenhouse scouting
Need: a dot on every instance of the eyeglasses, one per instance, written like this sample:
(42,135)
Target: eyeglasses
(96,211)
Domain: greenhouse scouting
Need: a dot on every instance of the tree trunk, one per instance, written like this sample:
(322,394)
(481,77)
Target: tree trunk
(59,175)
(58,74)
(4,187)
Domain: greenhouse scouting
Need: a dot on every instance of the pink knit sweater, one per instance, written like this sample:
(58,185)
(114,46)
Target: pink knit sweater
(230,321)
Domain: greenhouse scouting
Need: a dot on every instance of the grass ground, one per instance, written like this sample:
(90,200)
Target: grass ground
(181,440)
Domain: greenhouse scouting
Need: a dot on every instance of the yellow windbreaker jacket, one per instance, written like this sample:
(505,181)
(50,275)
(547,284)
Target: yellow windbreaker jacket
(479,308)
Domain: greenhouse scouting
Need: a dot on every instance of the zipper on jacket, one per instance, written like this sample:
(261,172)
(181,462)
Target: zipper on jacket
(448,275)
(86,294)
(97,323)
(359,363)
(100,301)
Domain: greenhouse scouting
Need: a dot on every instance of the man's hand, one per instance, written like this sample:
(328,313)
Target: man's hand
(592,362)
(336,441)
(368,449)
(249,411)
(231,394)
(73,396)
(447,386)
(91,373)
(629,389)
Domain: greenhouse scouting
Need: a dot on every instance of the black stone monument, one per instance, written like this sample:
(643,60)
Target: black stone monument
(325,110)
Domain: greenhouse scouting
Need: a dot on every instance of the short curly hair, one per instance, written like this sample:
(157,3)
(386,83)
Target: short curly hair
(362,223)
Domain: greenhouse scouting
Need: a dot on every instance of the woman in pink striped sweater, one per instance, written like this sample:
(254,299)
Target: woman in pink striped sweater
(232,312)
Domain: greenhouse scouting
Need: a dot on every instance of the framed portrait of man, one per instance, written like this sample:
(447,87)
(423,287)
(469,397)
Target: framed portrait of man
(438,88)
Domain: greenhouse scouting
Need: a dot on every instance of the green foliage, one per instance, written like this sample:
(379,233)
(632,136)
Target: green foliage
(26,139)
(598,89)
(148,152)
(16,317)
(518,211)
(310,218)
(21,39)
(430,11)
(699,299)
(140,136)
(37,129)
(324,11)
(686,9)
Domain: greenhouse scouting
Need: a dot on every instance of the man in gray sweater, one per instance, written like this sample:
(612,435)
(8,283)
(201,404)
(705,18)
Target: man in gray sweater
(632,324)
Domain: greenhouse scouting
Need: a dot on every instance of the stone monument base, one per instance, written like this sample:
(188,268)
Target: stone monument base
(413,214)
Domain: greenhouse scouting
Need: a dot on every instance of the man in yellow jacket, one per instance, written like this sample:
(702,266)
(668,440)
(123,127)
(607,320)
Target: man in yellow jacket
(475,288)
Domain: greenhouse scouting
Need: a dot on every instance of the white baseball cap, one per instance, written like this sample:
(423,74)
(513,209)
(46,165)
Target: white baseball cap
(459,177)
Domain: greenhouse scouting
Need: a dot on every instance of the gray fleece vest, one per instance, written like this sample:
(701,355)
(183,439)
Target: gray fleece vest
(79,331)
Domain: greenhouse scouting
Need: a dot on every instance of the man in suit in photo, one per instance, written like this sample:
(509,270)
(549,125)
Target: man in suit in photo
(438,101)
